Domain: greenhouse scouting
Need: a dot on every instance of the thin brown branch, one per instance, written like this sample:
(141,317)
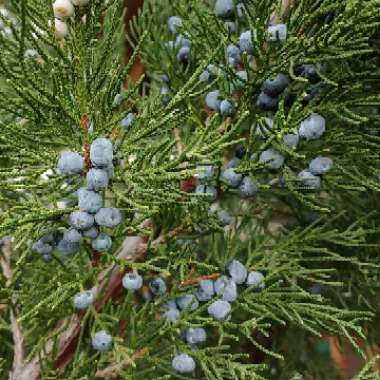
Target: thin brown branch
(195,280)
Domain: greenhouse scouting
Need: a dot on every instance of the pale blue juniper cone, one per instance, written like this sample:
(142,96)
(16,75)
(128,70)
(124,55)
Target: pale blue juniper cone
(278,32)
(226,287)
(83,300)
(101,341)
(274,87)
(209,191)
(174,23)
(183,363)
(320,165)
(91,233)
(266,102)
(246,41)
(313,127)
(72,235)
(205,291)
(101,152)
(256,280)
(231,177)
(241,11)
(195,335)
(206,172)
(89,200)
(188,301)
(102,243)
(230,26)
(81,220)
(97,179)
(70,163)
(42,248)
(308,179)
(183,55)
(226,108)
(224,8)
(247,188)
(239,82)
(132,281)
(237,271)
(224,217)
(213,100)
(219,309)
(272,158)
(157,286)
(128,120)
(67,249)
(108,217)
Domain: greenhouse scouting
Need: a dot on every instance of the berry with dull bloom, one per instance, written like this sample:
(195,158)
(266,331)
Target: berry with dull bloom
(313,127)
(72,235)
(278,32)
(183,363)
(81,220)
(83,300)
(132,281)
(206,290)
(61,29)
(66,248)
(224,8)
(255,279)
(320,165)
(308,179)
(275,86)
(266,102)
(102,243)
(213,100)
(157,286)
(291,140)
(108,217)
(172,315)
(219,309)
(91,233)
(226,287)
(230,26)
(174,22)
(42,248)
(101,152)
(231,177)
(247,188)
(70,163)
(272,159)
(246,41)
(226,108)
(183,55)
(206,171)
(102,341)
(188,301)
(224,217)
(128,120)
(241,11)
(89,200)
(195,335)
(237,271)
(97,179)
(208,191)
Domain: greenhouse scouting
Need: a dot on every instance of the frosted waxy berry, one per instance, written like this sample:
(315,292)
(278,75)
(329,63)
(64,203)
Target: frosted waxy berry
(108,217)
(70,163)
(213,101)
(183,55)
(97,179)
(101,152)
(240,11)
(83,300)
(117,100)
(128,120)
(195,335)
(232,178)
(172,315)
(42,248)
(255,279)
(233,52)
(181,40)
(102,243)
(61,29)
(247,188)
(291,140)
(63,9)
(233,163)
(132,281)
(66,248)
(226,287)
(278,32)
(81,220)
(272,158)
(246,42)
(89,200)
(230,26)
(276,86)
(102,341)
(183,363)
(170,304)
(188,301)
(219,309)
(206,172)
(205,76)
(174,22)
(309,180)
(237,271)
(72,235)
(224,8)
(226,108)
(157,286)
(31,53)
(80,3)
(49,238)
(209,191)
(266,102)
(313,127)
(91,233)
(224,218)
(206,290)
(320,165)
(165,100)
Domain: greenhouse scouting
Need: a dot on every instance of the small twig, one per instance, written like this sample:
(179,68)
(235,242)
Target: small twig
(18,337)
(113,370)
(195,280)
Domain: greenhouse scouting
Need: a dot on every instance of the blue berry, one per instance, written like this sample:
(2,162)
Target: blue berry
(128,120)
(276,86)
(313,127)
(181,41)
(183,363)
(233,52)
(219,309)
(183,55)
(42,248)
(291,140)
(132,281)
(213,101)
(117,100)
(278,32)
(102,341)
(309,180)
(170,304)
(205,76)
(320,165)
(101,152)
(89,200)
(31,53)
(245,41)
(209,191)
(83,300)
(224,218)
(247,188)
(157,286)
(70,163)
(241,11)
(72,235)
(188,301)
(224,8)
(226,287)
(195,335)
(226,108)
(256,279)
(49,238)
(91,233)
(102,242)
(97,179)
(230,26)
(266,102)
(81,220)
(237,271)
(232,178)
(164,90)
(66,248)
(206,290)
(272,158)
(207,171)
(172,315)
(165,100)
(174,22)
(108,217)
(233,163)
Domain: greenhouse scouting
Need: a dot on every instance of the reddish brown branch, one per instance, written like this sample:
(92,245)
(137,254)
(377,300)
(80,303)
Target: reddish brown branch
(195,280)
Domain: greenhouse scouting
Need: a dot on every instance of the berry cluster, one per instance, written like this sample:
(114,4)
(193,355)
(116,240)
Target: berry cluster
(91,216)
(64,9)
